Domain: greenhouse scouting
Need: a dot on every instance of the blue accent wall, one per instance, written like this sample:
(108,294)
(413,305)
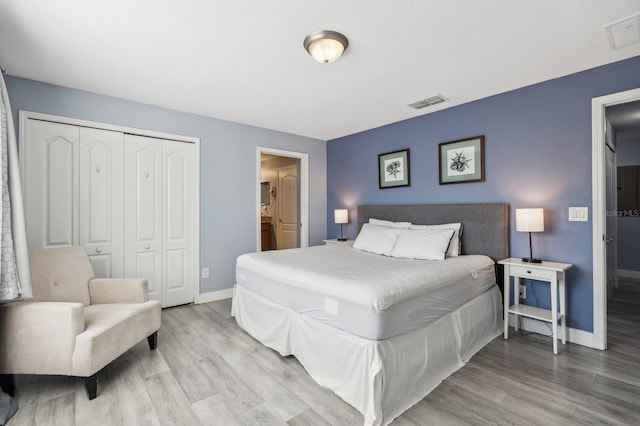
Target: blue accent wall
(228,181)
(537,154)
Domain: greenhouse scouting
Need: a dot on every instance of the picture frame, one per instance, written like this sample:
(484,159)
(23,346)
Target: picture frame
(393,169)
(461,161)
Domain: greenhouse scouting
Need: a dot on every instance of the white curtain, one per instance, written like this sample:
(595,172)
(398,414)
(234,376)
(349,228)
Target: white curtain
(15,276)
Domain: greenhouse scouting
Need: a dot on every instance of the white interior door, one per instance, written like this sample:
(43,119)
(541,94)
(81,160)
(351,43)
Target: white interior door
(178,223)
(101,203)
(50,189)
(288,221)
(143,211)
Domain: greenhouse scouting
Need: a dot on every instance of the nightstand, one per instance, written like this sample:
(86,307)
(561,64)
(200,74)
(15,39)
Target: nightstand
(550,272)
(347,243)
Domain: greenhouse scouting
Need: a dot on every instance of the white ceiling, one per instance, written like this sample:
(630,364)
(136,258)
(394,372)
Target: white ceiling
(243,60)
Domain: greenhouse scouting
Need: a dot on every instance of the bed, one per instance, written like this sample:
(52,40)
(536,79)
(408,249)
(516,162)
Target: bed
(365,332)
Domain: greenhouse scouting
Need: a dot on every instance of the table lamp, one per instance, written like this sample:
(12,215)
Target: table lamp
(530,220)
(341,216)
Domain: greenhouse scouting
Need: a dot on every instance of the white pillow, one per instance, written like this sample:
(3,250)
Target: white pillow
(426,244)
(456,240)
(376,239)
(390,224)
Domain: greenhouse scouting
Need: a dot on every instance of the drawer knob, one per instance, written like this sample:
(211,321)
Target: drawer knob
(528,272)
(98,250)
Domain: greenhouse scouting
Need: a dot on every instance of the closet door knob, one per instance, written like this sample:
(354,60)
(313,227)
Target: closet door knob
(147,247)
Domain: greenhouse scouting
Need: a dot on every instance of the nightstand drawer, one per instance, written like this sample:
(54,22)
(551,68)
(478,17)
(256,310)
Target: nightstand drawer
(531,272)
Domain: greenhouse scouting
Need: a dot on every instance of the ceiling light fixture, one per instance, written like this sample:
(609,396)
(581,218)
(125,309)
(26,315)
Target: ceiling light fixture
(325,46)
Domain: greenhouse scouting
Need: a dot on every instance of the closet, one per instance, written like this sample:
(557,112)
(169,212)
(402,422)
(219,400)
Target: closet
(128,200)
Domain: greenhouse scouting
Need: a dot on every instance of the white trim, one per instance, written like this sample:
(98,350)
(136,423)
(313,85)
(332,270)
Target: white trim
(304,191)
(574,335)
(626,273)
(599,205)
(214,296)
(29,115)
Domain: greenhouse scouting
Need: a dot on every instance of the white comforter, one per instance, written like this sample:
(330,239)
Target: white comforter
(359,277)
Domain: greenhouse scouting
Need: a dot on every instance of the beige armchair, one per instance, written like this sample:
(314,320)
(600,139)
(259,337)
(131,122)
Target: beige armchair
(75,324)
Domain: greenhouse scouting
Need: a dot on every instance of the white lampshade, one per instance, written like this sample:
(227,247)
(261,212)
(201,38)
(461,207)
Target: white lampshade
(325,46)
(341,215)
(530,220)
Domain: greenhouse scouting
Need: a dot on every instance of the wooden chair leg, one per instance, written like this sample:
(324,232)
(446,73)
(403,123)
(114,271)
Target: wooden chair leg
(153,341)
(8,383)
(91,385)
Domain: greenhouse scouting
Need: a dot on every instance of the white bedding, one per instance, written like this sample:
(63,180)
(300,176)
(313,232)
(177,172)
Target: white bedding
(381,379)
(364,294)
(359,277)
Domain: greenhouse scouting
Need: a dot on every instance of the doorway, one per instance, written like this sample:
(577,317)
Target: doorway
(282,199)
(601,190)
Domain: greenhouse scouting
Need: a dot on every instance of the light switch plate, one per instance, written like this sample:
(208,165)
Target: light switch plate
(578,214)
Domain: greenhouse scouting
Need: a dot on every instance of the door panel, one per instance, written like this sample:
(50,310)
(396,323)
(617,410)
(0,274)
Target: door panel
(179,225)
(288,208)
(176,196)
(101,185)
(50,179)
(175,269)
(143,212)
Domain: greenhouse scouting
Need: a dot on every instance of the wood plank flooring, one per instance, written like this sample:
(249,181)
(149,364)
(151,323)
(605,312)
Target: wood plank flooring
(207,371)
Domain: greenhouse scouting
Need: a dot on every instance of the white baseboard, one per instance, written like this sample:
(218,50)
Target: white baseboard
(624,273)
(214,296)
(574,335)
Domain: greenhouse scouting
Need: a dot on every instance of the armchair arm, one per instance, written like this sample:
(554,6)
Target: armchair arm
(39,337)
(118,290)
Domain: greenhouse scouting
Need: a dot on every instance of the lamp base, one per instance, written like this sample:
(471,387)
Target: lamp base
(531,260)
(342,239)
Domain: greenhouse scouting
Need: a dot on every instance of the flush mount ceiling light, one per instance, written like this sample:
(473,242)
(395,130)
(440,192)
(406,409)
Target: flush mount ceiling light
(325,46)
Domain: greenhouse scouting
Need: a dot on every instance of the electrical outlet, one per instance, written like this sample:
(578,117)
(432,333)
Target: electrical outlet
(523,291)
(205,272)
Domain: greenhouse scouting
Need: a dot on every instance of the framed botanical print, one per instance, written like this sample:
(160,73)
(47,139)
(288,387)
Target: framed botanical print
(462,160)
(393,169)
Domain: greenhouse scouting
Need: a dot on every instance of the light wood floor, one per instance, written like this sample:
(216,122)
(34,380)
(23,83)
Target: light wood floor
(207,371)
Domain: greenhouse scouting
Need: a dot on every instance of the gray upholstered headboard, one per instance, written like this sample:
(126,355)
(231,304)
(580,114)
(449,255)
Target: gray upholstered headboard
(485,227)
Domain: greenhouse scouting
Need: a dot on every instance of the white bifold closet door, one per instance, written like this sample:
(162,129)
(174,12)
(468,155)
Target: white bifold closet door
(159,210)
(100,183)
(127,200)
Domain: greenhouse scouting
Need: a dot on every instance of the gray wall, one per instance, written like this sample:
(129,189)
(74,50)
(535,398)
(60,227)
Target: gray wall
(227,163)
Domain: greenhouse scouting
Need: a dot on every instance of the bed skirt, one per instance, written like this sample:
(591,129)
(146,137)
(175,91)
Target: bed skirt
(381,379)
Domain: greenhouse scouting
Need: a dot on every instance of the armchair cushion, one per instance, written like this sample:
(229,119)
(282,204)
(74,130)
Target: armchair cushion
(60,275)
(121,290)
(111,330)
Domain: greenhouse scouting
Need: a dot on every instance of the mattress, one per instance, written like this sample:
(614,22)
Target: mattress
(364,294)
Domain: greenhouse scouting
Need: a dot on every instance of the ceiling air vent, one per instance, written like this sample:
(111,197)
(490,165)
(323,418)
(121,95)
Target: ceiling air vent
(624,32)
(428,102)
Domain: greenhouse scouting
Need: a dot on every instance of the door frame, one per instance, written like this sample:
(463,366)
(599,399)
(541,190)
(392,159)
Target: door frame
(28,115)
(599,193)
(304,191)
